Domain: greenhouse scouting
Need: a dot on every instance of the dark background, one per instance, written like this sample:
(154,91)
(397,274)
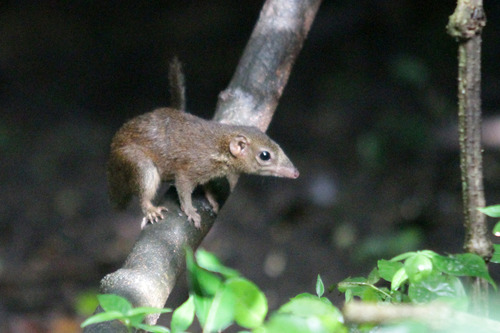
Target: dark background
(368,117)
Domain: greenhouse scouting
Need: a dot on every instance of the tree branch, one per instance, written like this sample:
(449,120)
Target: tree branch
(437,316)
(157,259)
(466,25)
(264,68)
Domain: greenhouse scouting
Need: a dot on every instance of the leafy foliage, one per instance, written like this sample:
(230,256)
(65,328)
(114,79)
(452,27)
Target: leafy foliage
(418,277)
(494,211)
(222,297)
(118,308)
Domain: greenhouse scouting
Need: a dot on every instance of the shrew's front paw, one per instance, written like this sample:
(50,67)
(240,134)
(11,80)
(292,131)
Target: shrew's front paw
(153,215)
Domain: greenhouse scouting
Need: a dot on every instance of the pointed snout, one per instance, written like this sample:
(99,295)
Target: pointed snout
(288,172)
(295,174)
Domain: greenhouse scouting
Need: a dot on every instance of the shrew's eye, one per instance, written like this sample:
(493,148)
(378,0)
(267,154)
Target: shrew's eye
(265,155)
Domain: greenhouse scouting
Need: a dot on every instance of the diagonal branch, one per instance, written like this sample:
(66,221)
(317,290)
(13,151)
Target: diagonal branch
(157,259)
(261,75)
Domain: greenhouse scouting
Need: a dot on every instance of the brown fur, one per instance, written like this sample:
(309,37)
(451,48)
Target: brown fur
(171,145)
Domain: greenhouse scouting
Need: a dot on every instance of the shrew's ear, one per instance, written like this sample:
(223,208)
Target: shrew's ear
(238,145)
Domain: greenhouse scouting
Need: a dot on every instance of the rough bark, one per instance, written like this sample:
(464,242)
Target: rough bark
(466,25)
(157,259)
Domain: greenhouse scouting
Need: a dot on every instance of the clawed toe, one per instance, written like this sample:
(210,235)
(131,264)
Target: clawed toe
(193,216)
(153,215)
(196,219)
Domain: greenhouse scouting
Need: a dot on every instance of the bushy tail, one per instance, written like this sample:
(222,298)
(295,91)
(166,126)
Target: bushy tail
(177,88)
(119,201)
(118,190)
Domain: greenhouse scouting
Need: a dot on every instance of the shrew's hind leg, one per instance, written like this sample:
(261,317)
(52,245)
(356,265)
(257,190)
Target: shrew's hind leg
(151,181)
(146,179)
(211,199)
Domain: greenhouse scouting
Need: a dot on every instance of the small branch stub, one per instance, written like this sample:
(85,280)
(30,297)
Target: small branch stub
(467,21)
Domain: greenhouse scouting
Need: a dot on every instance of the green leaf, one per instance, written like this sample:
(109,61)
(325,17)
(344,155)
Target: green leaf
(491,211)
(359,287)
(221,311)
(311,296)
(325,300)
(397,296)
(111,302)
(436,286)
(306,295)
(319,316)
(86,302)
(281,322)
(496,254)
(183,316)
(289,323)
(320,287)
(313,306)
(250,302)
(208,282)
(374,276)
(399,278)
(153,328)
(348,295)
(387,269)
(404,256)
(372,294)
(134,320)
(201,281)
(144,310)
(101,317)
(355,284)
(202,306)
(466,264)
(428,253)
(418,267)
(190,262)
(496,230)
(211,263)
